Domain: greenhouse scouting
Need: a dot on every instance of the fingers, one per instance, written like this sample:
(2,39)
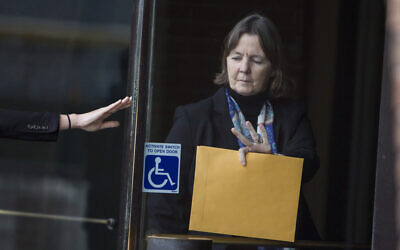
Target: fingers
(116,106)
(253,133)
(241,137)
(242,155)
(108,110)
(93,120)
(109,124)
(263,134)
(126,102)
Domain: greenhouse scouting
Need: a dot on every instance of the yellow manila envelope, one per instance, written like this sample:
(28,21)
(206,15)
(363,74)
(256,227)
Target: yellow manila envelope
(259,200)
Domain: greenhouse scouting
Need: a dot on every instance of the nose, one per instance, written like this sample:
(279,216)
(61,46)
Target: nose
(244,65)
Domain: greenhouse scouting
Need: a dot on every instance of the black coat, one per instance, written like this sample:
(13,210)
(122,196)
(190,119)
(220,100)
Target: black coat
(208,123)
(33,126)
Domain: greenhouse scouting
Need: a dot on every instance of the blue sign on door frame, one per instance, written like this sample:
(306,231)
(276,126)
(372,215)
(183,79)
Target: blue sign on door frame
(161,168)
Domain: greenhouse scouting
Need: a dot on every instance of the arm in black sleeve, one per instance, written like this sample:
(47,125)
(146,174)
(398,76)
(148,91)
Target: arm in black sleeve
(169,213)
(301,141)
(32,126)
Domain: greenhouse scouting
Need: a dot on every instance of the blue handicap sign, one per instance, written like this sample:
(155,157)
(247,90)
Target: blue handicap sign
(161,171)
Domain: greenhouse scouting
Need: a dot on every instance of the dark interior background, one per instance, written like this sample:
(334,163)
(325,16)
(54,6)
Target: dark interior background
(334,52)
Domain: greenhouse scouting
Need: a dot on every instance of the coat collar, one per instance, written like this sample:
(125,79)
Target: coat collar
(223,120)
(220,105)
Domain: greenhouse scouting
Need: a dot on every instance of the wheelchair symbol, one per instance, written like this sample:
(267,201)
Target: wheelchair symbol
(159,171)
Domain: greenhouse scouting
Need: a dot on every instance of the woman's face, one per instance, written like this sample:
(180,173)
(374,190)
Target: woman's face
(248,67)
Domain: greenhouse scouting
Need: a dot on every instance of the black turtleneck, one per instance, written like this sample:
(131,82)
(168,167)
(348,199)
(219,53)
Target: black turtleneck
(249,105)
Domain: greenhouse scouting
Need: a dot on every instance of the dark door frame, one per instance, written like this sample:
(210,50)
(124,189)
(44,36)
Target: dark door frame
(131,184)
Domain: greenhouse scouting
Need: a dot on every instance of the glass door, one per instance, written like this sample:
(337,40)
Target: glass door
(63,57)
(179,52)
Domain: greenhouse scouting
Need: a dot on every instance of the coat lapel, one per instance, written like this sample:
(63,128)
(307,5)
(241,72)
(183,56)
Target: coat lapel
(222,122)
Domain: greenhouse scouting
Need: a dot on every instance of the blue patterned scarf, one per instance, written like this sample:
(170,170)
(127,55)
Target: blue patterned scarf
(266,118)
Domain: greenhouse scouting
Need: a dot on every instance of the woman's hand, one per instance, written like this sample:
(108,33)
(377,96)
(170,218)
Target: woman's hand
(94,120)
(256,145)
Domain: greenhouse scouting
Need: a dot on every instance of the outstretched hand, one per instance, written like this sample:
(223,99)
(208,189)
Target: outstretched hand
(255,145)
(94,120)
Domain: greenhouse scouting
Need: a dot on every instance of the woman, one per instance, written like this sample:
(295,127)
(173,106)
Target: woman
(252,95)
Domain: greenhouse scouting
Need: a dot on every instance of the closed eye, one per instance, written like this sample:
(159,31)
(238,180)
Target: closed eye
(257,60)
(236,58)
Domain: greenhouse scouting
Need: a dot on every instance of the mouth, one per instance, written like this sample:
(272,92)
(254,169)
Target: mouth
(244,81)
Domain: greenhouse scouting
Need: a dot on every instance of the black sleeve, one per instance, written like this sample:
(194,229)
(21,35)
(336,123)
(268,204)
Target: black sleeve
(300,142)
(169,213)
(32,126)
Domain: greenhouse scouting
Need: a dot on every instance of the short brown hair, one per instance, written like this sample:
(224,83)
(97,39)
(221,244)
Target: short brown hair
(271,44)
